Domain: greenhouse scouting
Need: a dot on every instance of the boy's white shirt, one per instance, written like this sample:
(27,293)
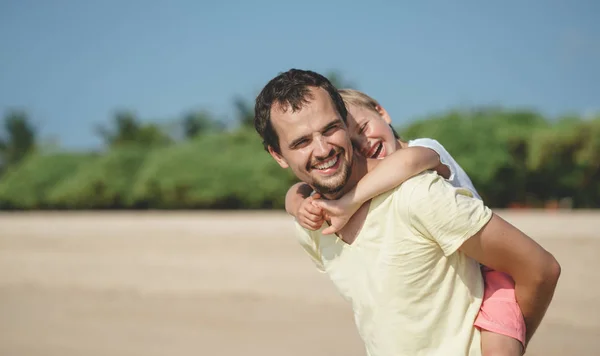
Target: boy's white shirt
(458,177)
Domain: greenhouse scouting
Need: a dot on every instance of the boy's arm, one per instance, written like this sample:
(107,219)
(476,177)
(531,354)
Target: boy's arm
(392,171)
(389,173)
(295,196)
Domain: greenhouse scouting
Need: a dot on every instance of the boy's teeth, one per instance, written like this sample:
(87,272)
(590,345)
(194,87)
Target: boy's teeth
(327,164)
(377,150)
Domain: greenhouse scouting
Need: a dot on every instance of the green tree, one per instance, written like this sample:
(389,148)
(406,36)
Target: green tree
(129,130)
(18,140)
(200,122)
(566,158)
(492,146)
(244,110)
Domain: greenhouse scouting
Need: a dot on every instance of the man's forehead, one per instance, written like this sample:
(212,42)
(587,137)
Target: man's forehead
(290,121)
(315,99)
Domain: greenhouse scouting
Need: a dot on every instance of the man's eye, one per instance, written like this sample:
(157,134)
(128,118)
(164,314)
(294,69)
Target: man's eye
(301,143)
(330,130)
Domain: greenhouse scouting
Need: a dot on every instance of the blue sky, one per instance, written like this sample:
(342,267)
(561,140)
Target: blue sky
(70,64)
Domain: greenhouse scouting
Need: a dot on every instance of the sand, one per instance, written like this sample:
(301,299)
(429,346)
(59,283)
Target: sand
(214,283)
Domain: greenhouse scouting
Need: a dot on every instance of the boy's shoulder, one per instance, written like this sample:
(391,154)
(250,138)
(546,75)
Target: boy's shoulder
(427,142)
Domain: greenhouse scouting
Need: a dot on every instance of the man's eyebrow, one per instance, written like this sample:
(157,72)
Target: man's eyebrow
(331,124)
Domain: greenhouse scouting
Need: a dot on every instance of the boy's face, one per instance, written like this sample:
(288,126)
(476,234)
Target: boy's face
(370,132)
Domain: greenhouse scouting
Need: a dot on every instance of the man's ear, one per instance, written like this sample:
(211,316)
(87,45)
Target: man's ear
(384,114)
(278,157)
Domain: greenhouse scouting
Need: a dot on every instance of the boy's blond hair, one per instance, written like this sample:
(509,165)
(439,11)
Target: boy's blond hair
(359,99)
(362,100)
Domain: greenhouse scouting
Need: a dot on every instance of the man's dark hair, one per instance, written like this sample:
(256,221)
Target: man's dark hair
(290,90)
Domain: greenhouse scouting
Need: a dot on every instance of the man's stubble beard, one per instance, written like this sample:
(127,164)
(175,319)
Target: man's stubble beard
(333,192)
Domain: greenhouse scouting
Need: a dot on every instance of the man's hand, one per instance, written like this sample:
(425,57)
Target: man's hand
(503,247)
(309,215)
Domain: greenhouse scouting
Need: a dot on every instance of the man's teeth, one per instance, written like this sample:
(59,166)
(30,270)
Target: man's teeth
(327,164)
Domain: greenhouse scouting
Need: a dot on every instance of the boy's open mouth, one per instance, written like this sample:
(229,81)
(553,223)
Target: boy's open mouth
(376,152)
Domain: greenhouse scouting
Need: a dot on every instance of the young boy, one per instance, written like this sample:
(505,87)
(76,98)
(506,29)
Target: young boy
(500,320)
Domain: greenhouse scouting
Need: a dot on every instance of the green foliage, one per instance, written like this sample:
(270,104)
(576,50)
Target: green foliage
(200,122)
(128,130)
(518,156)
(568,154)
(27,185)
(17,140)
(244,112)
(513,157)
(229,170)
(105,182)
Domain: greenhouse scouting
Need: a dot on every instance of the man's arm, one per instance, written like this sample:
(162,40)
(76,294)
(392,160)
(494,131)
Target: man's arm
(501,246)
(456,221)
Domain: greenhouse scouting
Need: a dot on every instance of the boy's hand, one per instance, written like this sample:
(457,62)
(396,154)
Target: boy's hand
(309,215)
(338,213)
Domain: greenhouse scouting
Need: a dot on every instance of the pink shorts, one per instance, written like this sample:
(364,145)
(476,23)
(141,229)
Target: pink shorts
(499,312)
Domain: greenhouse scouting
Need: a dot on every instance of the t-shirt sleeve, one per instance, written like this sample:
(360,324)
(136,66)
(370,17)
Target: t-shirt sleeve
(444,214)
(310,244)
(445,157)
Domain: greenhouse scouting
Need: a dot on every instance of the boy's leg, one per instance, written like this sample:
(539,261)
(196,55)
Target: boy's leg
(493,344)
(500,319)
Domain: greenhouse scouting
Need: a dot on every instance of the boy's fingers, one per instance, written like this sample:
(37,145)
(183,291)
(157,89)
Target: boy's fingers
(314,218)
(311,208)
(329,230)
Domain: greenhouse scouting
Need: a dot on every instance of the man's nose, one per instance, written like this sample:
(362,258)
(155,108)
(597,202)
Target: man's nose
(322,147)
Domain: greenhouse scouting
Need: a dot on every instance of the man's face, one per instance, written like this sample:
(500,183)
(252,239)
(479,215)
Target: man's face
(314,143)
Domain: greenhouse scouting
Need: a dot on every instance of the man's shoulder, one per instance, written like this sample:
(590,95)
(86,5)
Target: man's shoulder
(420,181)
(414,188)
(428,185)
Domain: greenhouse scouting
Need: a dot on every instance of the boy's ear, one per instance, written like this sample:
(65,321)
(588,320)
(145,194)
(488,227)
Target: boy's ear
(278,157)
(384,114)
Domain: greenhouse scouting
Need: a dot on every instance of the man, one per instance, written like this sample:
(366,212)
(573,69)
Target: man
(408,259)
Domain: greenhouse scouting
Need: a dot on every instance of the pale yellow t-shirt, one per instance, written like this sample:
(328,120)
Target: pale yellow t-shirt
(412,291)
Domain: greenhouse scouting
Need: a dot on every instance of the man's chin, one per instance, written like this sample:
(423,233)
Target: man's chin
(333,187)
(330,191)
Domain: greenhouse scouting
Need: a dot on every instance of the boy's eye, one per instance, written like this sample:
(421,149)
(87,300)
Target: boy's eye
(362,128)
